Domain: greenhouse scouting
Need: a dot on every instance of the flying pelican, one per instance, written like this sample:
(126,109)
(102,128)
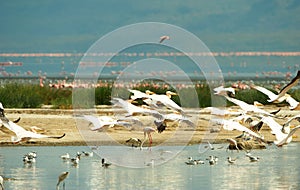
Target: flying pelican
(61,178)
(134,110)
(24,135)
(274,98)
(161,124)
(103,121)
(163,38)
(165,99)
(147,132)
(287,87)
(247,107)
(283,134)
(221,90)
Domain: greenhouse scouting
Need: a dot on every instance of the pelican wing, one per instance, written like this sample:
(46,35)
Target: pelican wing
(293,103)
(267,92)
(100,122)
(137,94)
(233,125)
(293,82)
(165,100)
(287,138)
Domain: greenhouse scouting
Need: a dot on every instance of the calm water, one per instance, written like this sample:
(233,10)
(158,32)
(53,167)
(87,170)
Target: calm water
(278,168)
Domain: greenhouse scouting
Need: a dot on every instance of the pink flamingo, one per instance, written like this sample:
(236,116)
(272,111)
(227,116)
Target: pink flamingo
(147,132)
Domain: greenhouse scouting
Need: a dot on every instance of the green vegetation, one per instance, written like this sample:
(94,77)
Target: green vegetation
(15,95)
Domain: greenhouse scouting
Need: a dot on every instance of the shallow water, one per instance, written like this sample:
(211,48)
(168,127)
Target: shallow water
(278,168)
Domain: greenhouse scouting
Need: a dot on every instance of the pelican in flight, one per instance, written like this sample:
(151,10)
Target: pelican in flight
(147,132)
(276,99)
(134,110)
(161,124)
(283,134)
(103,121)
(61,178)
(163,38)
(221,90)
(24,135)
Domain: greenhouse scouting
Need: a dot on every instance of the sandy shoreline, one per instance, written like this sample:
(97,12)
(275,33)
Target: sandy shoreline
(57,122)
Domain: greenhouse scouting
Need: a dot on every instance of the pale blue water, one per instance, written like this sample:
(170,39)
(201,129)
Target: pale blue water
(278,168)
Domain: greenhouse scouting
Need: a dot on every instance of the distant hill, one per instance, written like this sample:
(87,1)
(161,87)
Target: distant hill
(73,26)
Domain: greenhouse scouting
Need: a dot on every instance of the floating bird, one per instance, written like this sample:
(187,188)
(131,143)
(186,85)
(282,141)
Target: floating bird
(88,154)
(191,161)
(163,38)
(230,160)
(147,132)
(103,121)
(61,178)
(212,160)
(252,158)
(28,159)
(135,142)
(24,135)
(65,156)
(104,164)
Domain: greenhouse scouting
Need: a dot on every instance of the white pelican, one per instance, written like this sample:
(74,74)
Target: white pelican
(161,124)
(221,90)
(163,38)
(274,98)
(133,110)
(61,178)
(233,125)
(247,107)
(24,135)
(147,132)
(283,134)
(165,99)
(103,121)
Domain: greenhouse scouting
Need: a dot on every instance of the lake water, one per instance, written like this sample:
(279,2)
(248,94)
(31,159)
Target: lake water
(278,168)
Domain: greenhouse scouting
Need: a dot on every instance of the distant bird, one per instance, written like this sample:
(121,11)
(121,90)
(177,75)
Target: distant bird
(147,132)
(151,163)
(65,157)
(24,135)
(212,160)
(28,159)
(105,164)
(135,142)
(61,178)
(163,38)
(1,183)
(230,160)
(252,158)
(75,160)
(191,161)
(88,154)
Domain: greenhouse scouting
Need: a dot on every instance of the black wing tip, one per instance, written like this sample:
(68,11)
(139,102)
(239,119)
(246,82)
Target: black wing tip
(62,136)
(17,120)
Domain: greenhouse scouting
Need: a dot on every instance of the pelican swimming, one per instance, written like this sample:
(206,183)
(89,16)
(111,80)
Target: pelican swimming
(25,135)
(61,178)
